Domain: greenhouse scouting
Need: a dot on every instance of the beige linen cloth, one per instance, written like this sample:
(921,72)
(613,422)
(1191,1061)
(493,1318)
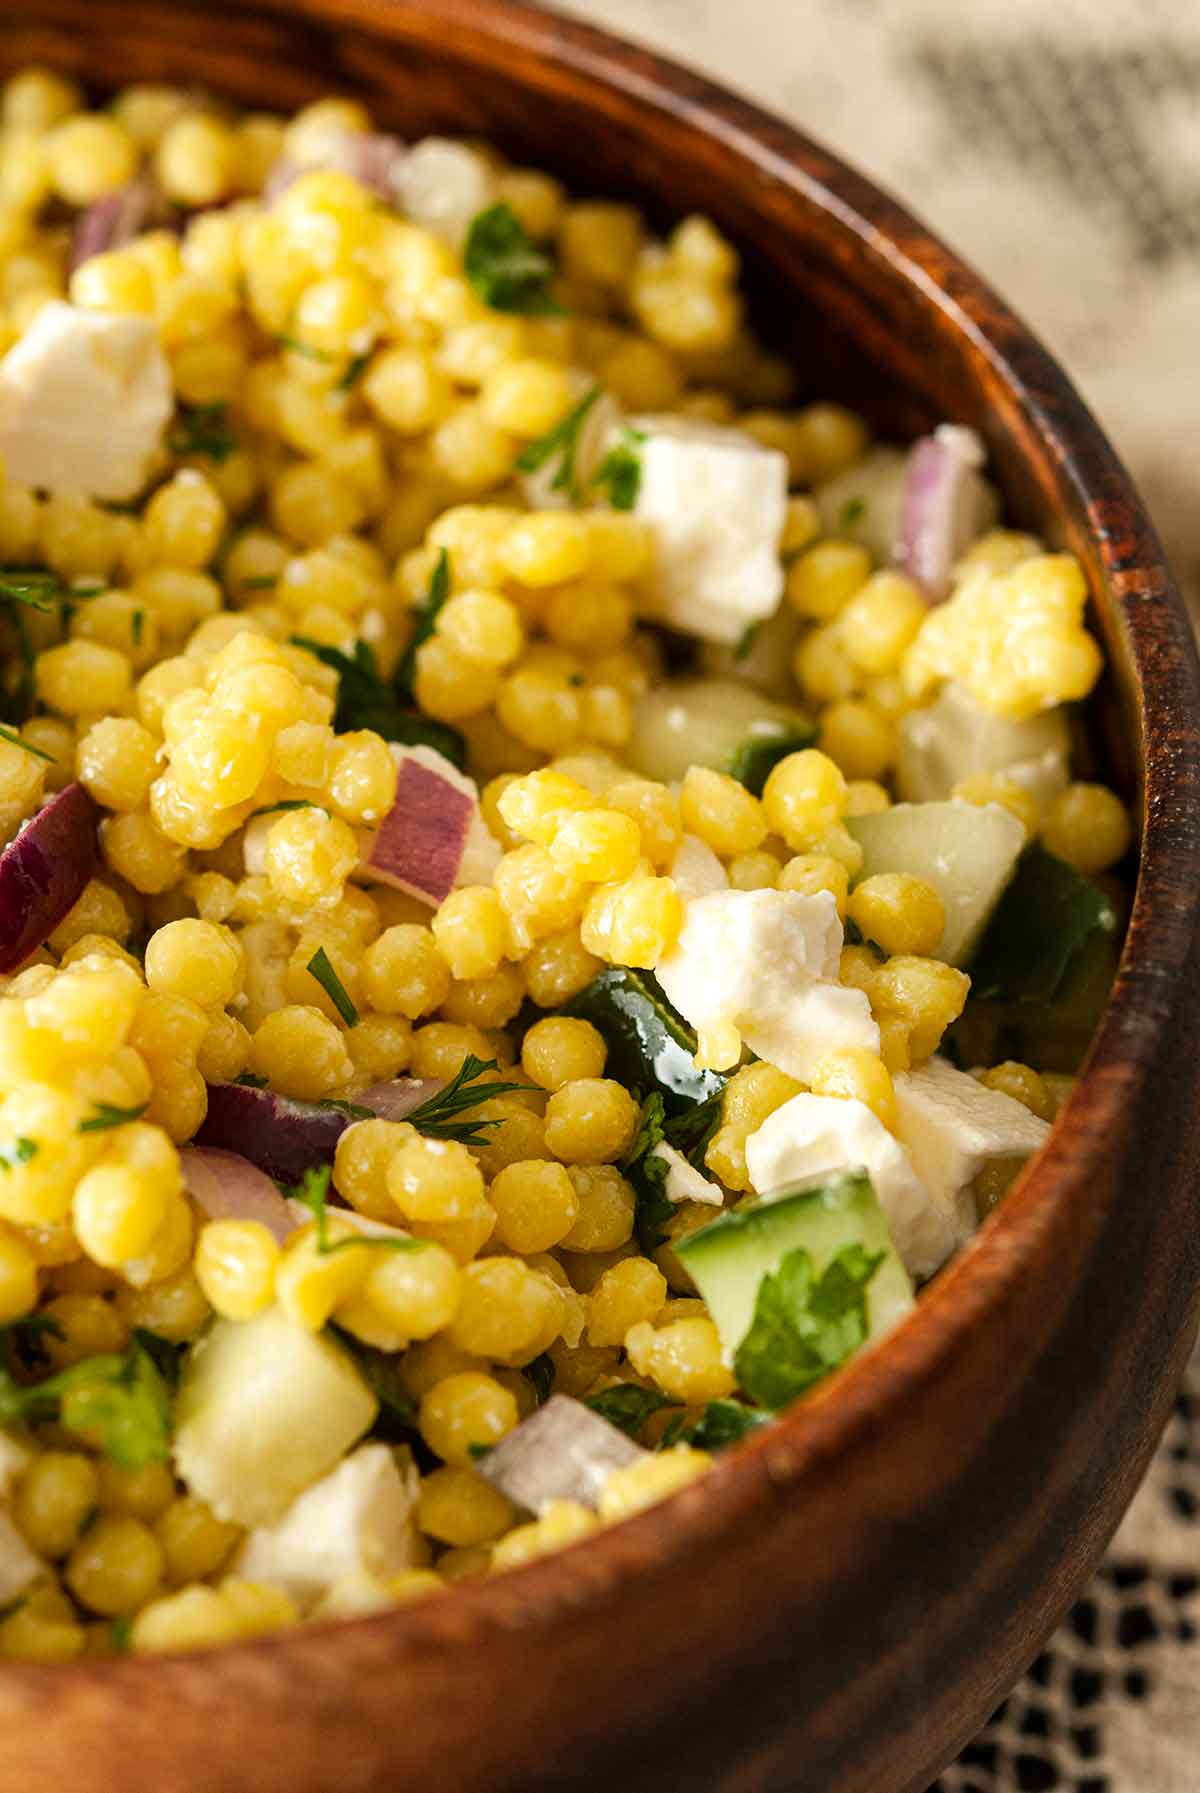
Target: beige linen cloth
(1056,145)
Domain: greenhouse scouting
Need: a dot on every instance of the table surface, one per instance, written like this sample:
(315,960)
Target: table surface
(1057,147)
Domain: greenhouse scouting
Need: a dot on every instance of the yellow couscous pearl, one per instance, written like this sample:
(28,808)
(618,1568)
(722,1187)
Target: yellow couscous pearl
(418,1292)
(651,1479)
(458,1507)
(902,914)
(194,959)
(235,1265)
(434,1179)
(52,1500)
(1024,1085)
(90,155)
(559,1050)
(590,1120)
(116,1565)
(300,1053)
(509,1312)
(852,1071)
(804,796)
(858,738)
(465,1409)
(536,1205)
(143,1493)
(1089,827)
(196,159)
(18,1278)
(722,812)
(606,1208)
(629,1294)
(194,1541)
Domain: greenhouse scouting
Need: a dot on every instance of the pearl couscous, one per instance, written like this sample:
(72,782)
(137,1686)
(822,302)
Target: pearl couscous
(543,884)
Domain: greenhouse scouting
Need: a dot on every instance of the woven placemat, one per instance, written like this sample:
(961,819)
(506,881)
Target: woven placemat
(1057,147)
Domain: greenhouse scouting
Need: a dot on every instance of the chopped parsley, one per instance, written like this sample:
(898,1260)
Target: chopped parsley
(137,623)
(366,701)
(804,1325)
(424,625)
(354,372)
(563,441)
(507,270)
(723,1422)
(285,804)
(312,1192)
(852,512)
(628,1406)
(15,740)
(438,1116)
(106,1114)
(320,966)
(648,1174)
(119,1400)
(121,1632)
(20,1151)
(34,587)
(204,430)
(541,1372)
(621,470)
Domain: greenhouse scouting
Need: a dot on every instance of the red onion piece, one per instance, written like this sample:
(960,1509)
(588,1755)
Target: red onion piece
(117,219)
(420,843)
(228,1187)
(944,506)
(43,871)
(281,1136)
(372,158)
(396,1100)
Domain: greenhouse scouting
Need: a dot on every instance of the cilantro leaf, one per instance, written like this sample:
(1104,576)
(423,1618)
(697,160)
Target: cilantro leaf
(106,1114)
(18,1151)
(852,512)
(745,643)
(723,1422)
(320,967)
(621,470)
(628,1406)
(121,1631)
(648,1175)
(563,441)
(119,1400)
(426,622)
(312,1192)
(690,1131)
(541,1373)
(437,1116)
(204,430)
(354,372)
(505,267)
(1039,928)
(804,1326)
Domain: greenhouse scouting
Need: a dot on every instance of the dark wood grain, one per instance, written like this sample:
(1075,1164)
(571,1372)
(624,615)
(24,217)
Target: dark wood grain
(841,1603)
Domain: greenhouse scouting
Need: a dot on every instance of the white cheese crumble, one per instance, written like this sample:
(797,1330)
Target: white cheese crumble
(952,1126)
(760,966)
(716,500)
(84,401)
(683,1182)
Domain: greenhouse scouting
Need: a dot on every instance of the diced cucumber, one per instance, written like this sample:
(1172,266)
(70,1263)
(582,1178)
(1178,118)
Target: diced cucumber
(265,1409)
(967,851)
(729,1259)
(714,722)
(955,738)
(863,503)
(650,1047)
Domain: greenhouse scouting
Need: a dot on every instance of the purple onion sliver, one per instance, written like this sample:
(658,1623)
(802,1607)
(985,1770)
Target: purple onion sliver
(117,219)
(395,1100)
(228,1187)
(280,1135)
(941,509)
(43,872)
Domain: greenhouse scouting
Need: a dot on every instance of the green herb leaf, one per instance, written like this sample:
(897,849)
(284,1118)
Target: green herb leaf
(477,1452)
(424,626)
(137,623)
(320,966)
(20,1151)
(365,701)
(759,754)
(252,1082)
(507,270)
(167,1358)
(121,1401)
(106,1114)
(621,470)
(628,1406)
(15,740)
(354,372)
(745,643)
(722,1423)
(312,1192)
(563,441)
(204,430)
(804,1326)
(436,1117)
(852,935)
(287,803)
(690,1131)
(1038,931)
(18,687)
(121,1632)
(648,1175)
(541,1373)
(34,587)
(286,340)
(852,512)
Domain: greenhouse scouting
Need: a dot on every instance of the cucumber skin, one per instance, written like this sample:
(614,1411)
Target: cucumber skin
(648,1047)
(728,1260)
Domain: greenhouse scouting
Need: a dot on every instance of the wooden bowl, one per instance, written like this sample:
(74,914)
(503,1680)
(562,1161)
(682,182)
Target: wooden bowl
(838,1606)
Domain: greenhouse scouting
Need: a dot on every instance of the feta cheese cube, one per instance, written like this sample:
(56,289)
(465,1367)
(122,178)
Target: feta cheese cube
(716,500)
(18,1565)
(356,1522)
(952,1126)
(444,185)
(812,1134)
(684,1182)
(695,870)
(764,962)
(84,401)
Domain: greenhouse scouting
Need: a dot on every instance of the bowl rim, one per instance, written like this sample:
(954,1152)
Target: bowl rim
(1161,934)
